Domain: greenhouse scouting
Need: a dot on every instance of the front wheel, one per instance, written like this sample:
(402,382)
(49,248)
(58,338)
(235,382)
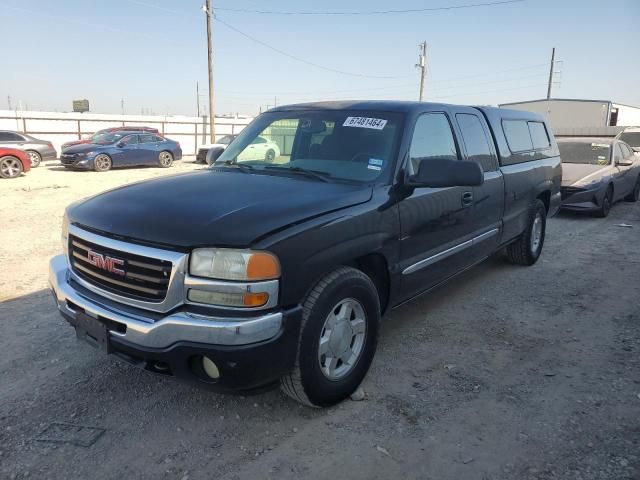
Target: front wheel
(607,200)
(338,339)
(10,167)
(34,157)
(165,159)
(102,163)
(527,249)
(634,194)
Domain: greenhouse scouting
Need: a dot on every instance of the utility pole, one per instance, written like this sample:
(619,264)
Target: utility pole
(9,102)
(553,56)
(212,117)
(197,99)
(122,106)
(422,65)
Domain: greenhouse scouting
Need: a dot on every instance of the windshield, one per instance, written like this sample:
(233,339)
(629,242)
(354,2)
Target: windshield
(336,145)
(632,138)
(585,152)
(108,138)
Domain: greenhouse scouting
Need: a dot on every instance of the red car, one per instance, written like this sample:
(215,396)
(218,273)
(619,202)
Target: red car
(13,162)
(96,135)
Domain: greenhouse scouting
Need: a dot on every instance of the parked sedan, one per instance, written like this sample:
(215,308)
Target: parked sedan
(260,149)
(122,149)
(213,150)
(597,172)
(37,150)
(13,162)
(100,133)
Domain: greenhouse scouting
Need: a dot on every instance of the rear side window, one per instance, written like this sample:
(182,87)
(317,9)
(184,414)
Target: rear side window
(539,135)
(517,134)
(10,137)
(476,141)
(432,137)
(146,139)
(157,138)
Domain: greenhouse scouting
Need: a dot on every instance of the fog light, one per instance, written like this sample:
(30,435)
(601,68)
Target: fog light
(210,368)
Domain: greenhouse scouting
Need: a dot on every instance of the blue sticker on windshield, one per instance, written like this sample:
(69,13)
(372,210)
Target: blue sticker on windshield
(376,161)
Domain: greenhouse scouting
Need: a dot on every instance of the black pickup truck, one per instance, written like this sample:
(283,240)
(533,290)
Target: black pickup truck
(258,271)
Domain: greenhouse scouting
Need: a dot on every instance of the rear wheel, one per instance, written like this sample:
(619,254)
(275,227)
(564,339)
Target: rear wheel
(527,249)
(607,200)
(102,163)
(338,338)
(34,157)
(165,159)
(10,167)
(634,195)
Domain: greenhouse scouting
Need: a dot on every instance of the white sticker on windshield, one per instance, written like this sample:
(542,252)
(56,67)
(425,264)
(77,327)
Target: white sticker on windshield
(599,145)
(365,122)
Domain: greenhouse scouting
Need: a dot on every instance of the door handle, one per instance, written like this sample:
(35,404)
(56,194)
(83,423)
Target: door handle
(467,199)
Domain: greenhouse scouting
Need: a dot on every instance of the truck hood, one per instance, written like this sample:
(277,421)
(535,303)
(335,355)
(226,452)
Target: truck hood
(583,173)
(212,208)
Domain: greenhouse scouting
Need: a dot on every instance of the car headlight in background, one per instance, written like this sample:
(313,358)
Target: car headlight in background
(238,265)
(243,278)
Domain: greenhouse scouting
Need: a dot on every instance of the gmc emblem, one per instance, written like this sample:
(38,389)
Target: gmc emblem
(105,262)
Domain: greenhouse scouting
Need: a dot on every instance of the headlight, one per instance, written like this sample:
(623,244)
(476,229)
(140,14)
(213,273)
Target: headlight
(239,265)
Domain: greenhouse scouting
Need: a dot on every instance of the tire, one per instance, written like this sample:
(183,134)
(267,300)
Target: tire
(527,249)
(165,159)
(270,156)
(318,380)
(102,163)
(212,155)
(607,201)
(34,157)
(634,195)
(10,167)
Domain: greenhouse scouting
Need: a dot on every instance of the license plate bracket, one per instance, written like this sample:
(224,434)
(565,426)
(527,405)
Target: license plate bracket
(92,331)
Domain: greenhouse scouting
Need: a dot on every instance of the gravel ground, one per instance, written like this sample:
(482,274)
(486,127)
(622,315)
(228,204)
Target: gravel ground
(506,373)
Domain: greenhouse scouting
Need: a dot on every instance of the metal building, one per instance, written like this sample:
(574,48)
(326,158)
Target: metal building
(582,117)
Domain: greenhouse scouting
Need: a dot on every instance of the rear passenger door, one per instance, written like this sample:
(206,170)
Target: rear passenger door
(488,198)
(149,149)
(436,223)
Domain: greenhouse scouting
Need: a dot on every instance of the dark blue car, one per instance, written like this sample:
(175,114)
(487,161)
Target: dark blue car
(122,149)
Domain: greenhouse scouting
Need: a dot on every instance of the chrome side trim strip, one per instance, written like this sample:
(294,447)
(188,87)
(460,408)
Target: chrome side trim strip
(449,252)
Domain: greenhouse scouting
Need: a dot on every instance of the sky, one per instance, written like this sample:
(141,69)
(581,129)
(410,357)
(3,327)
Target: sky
(148,55)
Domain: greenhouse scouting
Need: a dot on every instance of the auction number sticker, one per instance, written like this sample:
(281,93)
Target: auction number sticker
(365,122)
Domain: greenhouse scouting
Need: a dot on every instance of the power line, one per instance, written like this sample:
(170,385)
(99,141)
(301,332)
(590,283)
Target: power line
(370,12)
(302,60)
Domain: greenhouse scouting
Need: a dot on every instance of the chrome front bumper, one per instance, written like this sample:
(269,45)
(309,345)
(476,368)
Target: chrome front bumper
(175,327)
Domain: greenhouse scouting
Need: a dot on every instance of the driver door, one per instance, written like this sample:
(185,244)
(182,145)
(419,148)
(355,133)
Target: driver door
(127,153)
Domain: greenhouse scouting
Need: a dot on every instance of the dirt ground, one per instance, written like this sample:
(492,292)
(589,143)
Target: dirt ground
(506,373)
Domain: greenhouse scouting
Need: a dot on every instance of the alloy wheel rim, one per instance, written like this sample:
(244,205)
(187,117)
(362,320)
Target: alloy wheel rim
(165,158)
(342,339)
(10,167)
(102,162)
(536,233)
(33,156)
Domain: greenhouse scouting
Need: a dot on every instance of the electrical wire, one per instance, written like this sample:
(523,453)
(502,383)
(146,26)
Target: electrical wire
(302,60)
(370,12)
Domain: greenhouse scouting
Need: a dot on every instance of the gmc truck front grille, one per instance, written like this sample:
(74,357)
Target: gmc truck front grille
(118,272)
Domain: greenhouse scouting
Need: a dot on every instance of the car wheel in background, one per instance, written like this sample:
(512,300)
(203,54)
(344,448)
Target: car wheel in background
(338,339)
(607,200)
(270,156)
(102,163)
(527,249)
(165,159)
(34,157)
(10,167)
(634,195)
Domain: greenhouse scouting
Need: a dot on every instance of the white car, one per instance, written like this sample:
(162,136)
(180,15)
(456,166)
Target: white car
(259,149)
(631,135)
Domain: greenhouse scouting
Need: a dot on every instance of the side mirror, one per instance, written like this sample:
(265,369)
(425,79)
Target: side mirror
(444,172)
(120,144)
(624,162)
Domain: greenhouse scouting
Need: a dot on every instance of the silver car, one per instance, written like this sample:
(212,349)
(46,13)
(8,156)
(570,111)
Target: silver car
(596,173)
(37,150)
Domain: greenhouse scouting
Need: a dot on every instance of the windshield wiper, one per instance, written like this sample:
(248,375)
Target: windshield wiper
(232,164)
(318,175)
